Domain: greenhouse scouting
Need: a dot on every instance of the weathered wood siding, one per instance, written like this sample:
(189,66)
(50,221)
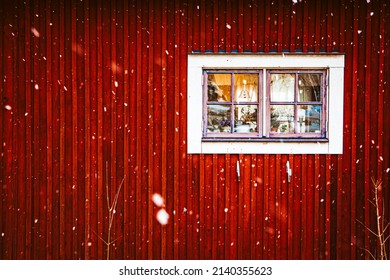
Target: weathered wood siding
(94,92)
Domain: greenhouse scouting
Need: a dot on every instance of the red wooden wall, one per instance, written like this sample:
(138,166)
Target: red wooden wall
(94,92)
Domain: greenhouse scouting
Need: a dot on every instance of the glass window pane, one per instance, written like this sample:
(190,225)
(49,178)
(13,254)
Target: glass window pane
(219,87)
(282,118)
(309,119)
(309,86)
(246,87)
(246,118)
(282,87)
(218,118)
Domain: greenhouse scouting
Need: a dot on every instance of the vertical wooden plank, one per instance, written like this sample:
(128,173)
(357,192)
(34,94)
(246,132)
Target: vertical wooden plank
(316,210)
(297,198)
(171,129)
(126,134)
(278,213)
(367,129)
(354,126)
(183,183)
(150,128)
(271,228)
(132,128)
(119,69)
(259,186)
(28,156)
(305,27)
(202,235)
(267,24)
(327,203)
(283,208)
(8,210)
(266,214)
(381,90)
(138,207)
(253,206)
(280,26)
(228,206)
(214,210)
(114,91)
(304,208)
(164,121)
(100,159)
(92,242)
(80,223)
(49,125)
(246,197)
(69,131)
(254,41)
(293,28)
(35,150)
(74,112)
(19,110)
(175,50)
(87,125)
(2,227)
(228,26)
(247,25)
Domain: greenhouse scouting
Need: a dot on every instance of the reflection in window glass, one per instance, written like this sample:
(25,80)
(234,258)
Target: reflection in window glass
(218,118)
(282,87)
(246,118)
(309,119)
(218,87)
(246,87)
(282,118)
(309,86)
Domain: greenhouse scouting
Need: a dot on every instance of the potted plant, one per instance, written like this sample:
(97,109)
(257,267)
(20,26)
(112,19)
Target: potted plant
(244,123)
(225,125)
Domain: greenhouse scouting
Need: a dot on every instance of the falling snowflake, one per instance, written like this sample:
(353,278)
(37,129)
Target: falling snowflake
(116,84)
(35,32)
(228,26)
(7,107)
(36,86)
(162,217)
(158,200)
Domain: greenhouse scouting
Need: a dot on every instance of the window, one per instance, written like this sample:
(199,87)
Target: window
(234,104)
(258,103)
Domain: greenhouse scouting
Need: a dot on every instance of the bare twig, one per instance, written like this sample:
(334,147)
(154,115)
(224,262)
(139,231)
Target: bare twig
(111,213)
(381,228)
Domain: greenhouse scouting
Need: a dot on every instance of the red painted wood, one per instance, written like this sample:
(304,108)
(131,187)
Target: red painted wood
(112,86)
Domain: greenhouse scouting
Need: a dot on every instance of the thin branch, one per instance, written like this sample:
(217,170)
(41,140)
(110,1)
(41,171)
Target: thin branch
(100,237)
(368,251)
(374,233)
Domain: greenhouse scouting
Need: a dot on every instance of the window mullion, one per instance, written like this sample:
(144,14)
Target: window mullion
(232,105)
(266,104)
(296,104)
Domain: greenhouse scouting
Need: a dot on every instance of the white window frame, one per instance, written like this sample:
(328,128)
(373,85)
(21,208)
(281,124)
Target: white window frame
(334,63)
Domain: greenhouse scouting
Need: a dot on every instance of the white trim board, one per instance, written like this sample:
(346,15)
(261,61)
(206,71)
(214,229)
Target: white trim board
(333,62)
